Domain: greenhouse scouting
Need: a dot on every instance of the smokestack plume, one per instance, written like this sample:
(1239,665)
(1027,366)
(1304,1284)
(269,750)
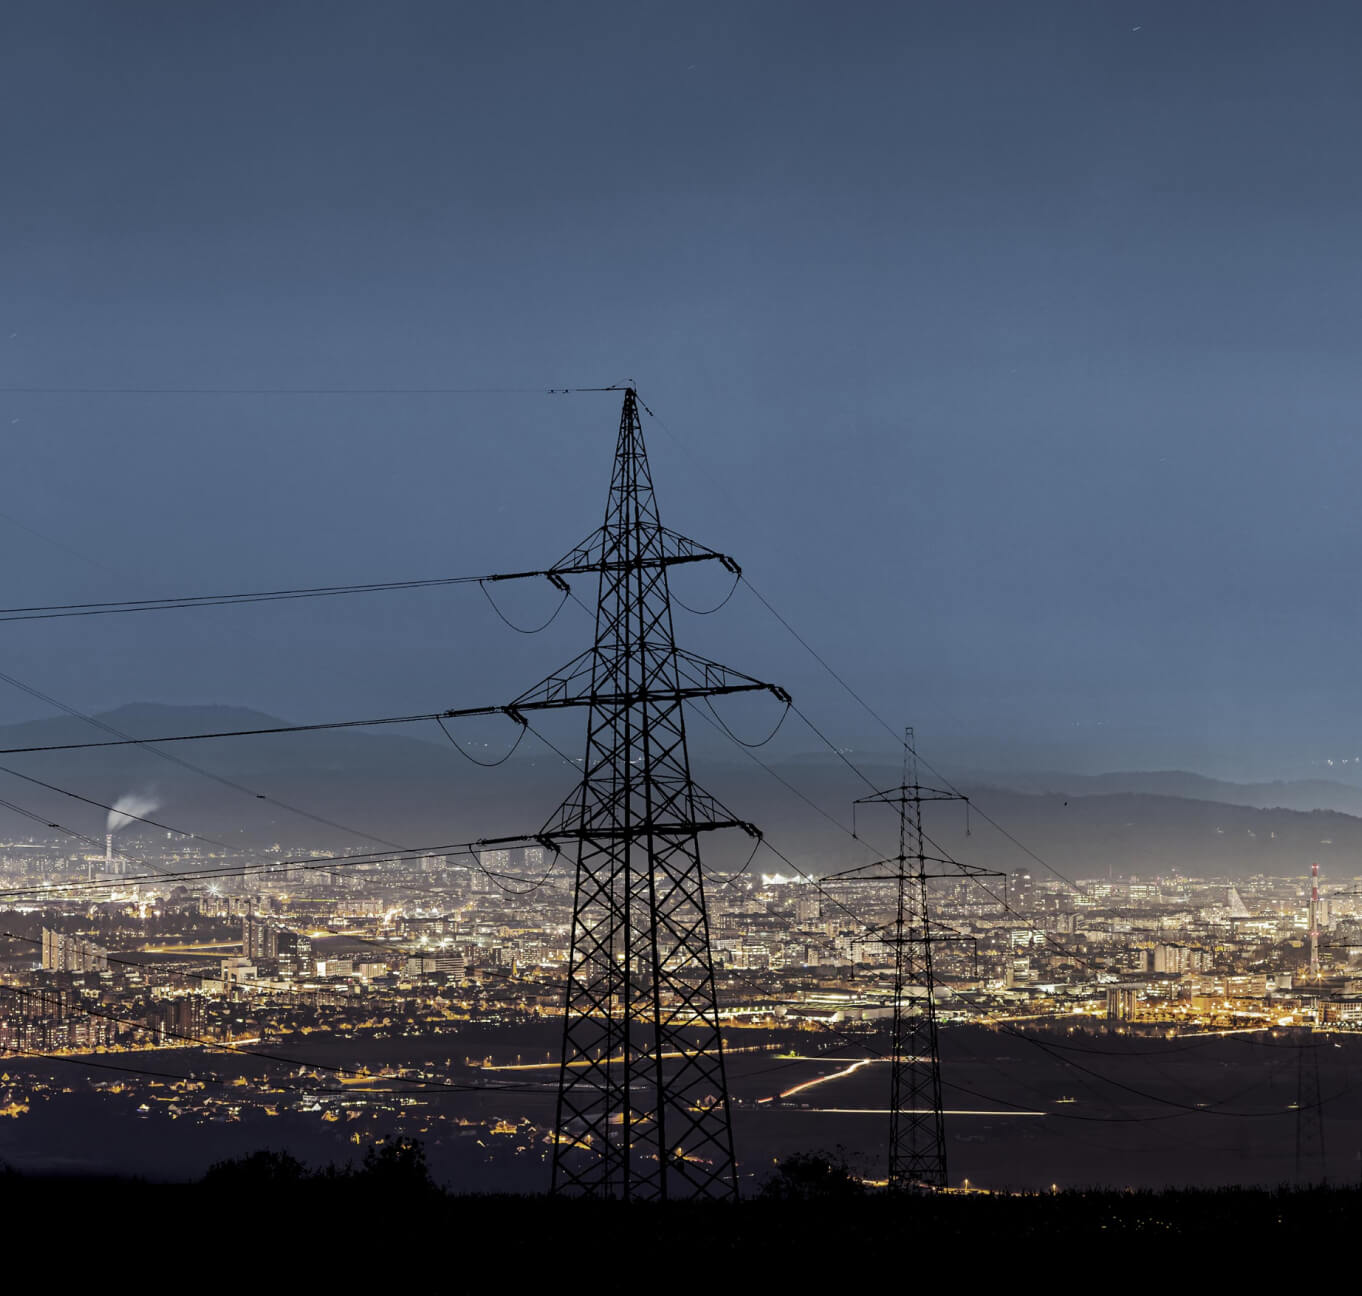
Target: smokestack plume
(129,808)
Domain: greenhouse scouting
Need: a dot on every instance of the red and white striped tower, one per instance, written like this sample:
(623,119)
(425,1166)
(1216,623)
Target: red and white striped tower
(1314,922)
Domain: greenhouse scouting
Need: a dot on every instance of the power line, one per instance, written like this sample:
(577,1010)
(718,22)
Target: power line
(46,822)
(531,630)
(988,891)
(62,828)
(301,391)
(300,864)
(926,837)
(823,891)
(1190,1108)
(255,733)
(1183,1109)
(851,692)
(784,782)
(226,1045)
(86,1061)
(47,612)
(390,948)
(76,796)
(804,643)
(173,759)
(856,836)
(501,760)
(969,803)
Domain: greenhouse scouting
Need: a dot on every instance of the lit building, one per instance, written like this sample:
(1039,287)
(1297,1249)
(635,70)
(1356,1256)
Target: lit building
(63,953)
(258,939)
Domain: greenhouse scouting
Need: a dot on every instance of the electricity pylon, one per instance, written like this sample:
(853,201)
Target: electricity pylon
(643,1107)
(1311,1165)
(917,1127)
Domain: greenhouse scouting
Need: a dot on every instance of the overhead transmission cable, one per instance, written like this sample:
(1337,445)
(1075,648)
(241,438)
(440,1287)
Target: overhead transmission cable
(28,390)
(55,611)
(263,730)
(864,778)
(260,1054)
(884,724)
(174,759)
(76,796)
(851,692)
(328,863)
(1000,1024)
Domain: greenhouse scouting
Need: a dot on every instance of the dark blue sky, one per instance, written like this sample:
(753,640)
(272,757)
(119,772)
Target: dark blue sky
(1011,347)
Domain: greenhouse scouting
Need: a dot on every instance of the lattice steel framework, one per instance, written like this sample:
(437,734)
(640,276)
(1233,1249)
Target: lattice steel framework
(917,1129)
(1311,1164)
(643,1107)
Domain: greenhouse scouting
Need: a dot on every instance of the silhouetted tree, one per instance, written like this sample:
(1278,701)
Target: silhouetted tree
(809,1176)
(265,1169)
(399,1166)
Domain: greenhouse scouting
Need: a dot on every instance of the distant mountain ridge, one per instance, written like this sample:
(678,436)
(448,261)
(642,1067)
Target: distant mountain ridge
(365,788)
(1302,794)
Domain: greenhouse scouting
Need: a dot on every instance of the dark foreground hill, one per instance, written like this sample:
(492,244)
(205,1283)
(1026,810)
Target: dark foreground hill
(386,1217)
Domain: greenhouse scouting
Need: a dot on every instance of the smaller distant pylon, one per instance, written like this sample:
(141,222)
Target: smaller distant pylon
(917,1128)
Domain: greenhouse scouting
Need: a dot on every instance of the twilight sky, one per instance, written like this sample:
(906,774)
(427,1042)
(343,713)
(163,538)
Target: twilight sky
(1010,347)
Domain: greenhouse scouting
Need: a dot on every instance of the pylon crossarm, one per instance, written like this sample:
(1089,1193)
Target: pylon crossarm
(634,697)
(571,685)
(562,683)
(566,823)
(910,792)
(679,830)
(711,677)
(890,869)
(876,934)
(668,549)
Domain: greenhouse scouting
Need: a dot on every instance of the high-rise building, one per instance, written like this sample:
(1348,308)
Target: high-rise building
(258,939)
(63,953)
(1121,1002)
(1170,958)
(293,945)
(181,1018)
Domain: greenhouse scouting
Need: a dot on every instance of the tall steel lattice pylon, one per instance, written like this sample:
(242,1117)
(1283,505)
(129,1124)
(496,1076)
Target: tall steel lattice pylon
(917,1127)
(1311,1163)
(643,1106)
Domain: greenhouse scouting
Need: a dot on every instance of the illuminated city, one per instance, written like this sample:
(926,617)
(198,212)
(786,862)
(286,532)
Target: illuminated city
(402,978)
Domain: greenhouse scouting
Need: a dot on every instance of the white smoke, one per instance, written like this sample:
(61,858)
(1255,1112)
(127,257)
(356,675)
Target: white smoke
(129,807)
